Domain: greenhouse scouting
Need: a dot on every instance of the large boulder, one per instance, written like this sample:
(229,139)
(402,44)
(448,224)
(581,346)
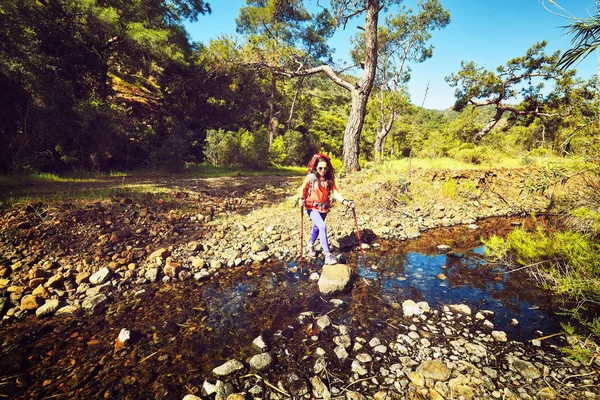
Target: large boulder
(335,278)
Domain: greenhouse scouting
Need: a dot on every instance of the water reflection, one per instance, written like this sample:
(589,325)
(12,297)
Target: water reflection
(441,279)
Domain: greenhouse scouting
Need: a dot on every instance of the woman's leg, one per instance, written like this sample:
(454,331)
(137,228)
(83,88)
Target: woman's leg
(319,228)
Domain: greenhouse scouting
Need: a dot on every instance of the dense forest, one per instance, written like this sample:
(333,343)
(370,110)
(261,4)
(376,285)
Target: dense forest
(112,85)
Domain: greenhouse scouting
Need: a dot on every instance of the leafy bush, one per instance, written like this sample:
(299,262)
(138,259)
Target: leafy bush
(565,262)
(244,148)
(277,154)
(295,147)
(337,164)
(172,154)
(472,154)
(449,188)
(495,247)
(222,147)
(254,149)
(436,145)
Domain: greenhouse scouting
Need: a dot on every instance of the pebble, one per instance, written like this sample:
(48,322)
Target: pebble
(323,322)
(341,352)
(499,336)
(101,276)
(261,361)
(228,368)
(259,343)
(48,308)
(460,308)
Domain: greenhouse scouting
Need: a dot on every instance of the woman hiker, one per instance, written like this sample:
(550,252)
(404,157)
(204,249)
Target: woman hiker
(315,194)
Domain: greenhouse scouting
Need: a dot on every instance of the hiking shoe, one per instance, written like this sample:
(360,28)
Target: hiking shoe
(310,251)
(330,259)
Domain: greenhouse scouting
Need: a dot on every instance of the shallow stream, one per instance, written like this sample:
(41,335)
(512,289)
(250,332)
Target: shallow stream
(182,330)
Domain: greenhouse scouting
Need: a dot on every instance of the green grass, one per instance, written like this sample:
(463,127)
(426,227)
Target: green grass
(209,171)
(449,188)
(20,189)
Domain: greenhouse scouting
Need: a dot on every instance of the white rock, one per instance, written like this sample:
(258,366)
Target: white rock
(122,339)
(94,304)
(410,308)
(343,340)
(228,368)
(47,308)
(320,390)
(323,322)
(261,361)
(259,343)
(100,276)
(341,352)
(68,310)
(320,365)
(499,336)
(358,368)
(334,278)
(380,349)
(460,308)
(208,388)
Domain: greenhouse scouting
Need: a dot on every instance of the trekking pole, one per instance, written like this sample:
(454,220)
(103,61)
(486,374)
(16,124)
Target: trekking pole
(301,235)
(358,236)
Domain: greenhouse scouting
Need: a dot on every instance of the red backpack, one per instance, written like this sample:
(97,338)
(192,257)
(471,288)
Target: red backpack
(313,179)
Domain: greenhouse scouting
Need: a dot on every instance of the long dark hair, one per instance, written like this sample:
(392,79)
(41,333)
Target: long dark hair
(312,167)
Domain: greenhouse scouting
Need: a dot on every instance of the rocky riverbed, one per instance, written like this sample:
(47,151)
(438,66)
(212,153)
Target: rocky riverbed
(65,267)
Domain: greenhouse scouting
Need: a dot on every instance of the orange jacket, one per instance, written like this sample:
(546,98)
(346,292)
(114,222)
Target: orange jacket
(318,192)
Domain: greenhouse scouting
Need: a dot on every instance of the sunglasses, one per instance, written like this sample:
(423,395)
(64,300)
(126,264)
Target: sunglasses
(322,168)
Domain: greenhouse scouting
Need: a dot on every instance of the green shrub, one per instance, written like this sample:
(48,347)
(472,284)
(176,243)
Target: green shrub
(172,154)
(254,149)
(436,145)
(472,154)
(449,188)
(495,247)
(277,154)
(566,262)
(244,148)
(542,152)
(295,147)
(337,164)
(222,147)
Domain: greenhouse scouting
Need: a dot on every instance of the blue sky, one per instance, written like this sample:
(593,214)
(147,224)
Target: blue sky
(484,31)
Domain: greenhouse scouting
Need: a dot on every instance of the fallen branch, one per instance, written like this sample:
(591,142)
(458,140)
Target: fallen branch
(355,382)
(526,266)
(267,383)
(148,357)
(548,336)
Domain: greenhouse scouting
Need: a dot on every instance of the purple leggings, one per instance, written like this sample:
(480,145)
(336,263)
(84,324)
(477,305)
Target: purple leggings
(319,229)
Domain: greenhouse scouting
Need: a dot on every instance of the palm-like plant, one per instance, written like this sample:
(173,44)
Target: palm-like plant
(585,32)
(586,39)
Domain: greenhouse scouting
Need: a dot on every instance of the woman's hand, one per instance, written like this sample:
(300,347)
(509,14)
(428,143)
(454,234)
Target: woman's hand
(349,203)
(301,202)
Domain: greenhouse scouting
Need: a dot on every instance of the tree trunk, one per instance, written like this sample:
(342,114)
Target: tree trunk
(360,93)
(293,106)
(351,152)
(384,130)
(273,122)
(486,129)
